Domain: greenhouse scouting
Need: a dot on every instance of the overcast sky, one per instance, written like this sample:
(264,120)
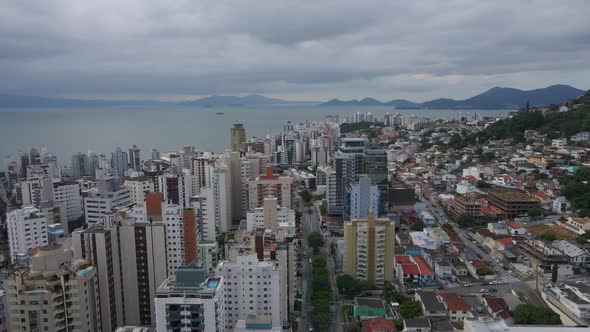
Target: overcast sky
(301,50)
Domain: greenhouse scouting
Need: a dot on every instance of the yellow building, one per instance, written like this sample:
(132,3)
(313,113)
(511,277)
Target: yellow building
(369,249)
(237,136)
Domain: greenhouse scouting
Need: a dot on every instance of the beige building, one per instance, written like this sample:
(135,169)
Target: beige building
(138,186)
(237,136)
(267,185)
(55,293)
(369,249)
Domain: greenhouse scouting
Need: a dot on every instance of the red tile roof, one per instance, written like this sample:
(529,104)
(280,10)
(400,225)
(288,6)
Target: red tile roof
(513,224)
(498,306)
(422,265)
(454,302)
(506,240)
(378,324)
(477,263)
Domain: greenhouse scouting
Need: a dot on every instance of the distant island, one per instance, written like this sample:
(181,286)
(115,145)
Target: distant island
(495,98)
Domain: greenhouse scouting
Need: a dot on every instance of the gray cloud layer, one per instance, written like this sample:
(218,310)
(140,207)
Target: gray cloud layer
(295,49)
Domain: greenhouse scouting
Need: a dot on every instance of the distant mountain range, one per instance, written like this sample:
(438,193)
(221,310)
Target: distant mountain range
(495,98)
(250,100)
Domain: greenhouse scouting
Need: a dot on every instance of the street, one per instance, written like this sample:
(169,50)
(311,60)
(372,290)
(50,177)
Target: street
(311,223)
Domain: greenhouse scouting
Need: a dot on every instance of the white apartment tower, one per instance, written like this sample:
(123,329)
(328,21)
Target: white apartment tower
(189,301)
(104,200)
(27,229)
(252,287)
(67,194)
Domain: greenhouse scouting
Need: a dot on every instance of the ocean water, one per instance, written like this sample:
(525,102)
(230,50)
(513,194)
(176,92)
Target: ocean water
(67,131)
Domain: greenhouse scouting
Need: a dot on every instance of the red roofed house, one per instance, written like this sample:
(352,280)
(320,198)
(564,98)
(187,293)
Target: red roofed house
(497,307)
(378,324)
(413,269)
(515,228)
(457,307)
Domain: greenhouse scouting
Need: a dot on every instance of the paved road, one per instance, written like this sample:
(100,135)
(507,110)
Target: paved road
(311,223)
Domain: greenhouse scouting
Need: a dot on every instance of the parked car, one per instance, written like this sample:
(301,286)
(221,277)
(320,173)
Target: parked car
(483,290)
(467,284)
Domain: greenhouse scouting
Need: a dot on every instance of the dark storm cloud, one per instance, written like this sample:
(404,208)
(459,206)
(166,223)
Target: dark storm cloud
(303,49)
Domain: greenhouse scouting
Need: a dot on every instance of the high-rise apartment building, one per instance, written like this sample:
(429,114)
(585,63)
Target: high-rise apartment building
(27,229)
(222,196)
(363,197)
(100,247)
(271,216)
(237,136)
(369,249)
(189,301)
(54,293)
(252,287)
(80,165)
(138,187)
(135,158)
(204,205)
(142,251)
(177,189)
(108,197)
(181,228)
(67,194)
(271,185)
(119,162)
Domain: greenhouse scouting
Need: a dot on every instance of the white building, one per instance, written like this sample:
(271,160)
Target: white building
(27,229)
(221,185)
(575,296)
(474,171)
(189,301)
(102,201)
(178,189)
(363,198)
(67,194)
(252,287)
(579,257)
(559,142)
(138,187)
(204,206)
(271,216)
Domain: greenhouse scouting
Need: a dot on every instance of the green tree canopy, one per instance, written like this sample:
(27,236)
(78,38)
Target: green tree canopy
(348,285)
(528,314)
(465,220)
(534,212)
(315,240)
(410,309)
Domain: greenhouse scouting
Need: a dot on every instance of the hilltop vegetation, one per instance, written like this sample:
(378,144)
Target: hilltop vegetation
(554,125)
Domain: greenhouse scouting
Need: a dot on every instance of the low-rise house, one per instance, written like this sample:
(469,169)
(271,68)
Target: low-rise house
(378,324)
(432,305)
(575,296)
(417,325)
(413,269)
(560,205)
(579,257)
(578,225)
(497,307)
(456,306)
(443,269)
(459,269)
(368,307)
(498,228)
(516,228)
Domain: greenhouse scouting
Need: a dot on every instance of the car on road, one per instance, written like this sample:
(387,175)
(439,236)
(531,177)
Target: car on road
(483,290)
(467,284)
(310,261)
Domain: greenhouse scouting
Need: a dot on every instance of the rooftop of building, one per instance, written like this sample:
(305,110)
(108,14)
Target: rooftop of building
(191,279)
(430,301)
(511,195)
(454,302)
